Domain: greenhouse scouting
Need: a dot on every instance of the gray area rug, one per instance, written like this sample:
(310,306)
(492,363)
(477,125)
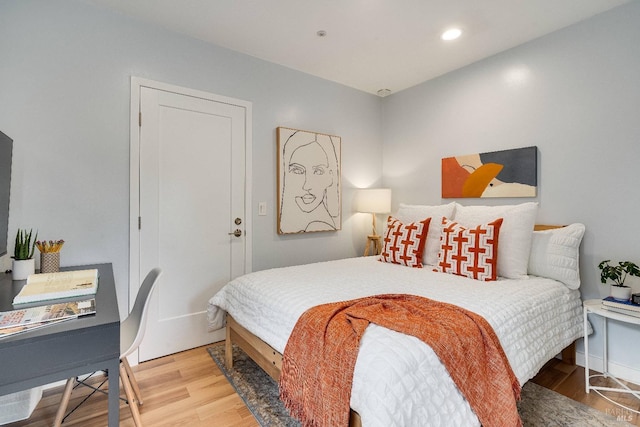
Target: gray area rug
(539,406)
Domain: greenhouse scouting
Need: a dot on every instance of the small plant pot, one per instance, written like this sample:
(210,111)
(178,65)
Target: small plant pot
(22,268)
(621,293)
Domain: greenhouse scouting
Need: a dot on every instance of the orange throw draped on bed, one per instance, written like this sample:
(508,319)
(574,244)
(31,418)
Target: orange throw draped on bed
(320,356)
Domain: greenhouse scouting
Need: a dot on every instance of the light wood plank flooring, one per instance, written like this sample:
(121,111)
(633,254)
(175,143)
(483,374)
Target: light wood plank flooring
(188,389)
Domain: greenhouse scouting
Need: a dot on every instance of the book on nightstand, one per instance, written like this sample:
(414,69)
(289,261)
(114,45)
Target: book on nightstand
(624,307)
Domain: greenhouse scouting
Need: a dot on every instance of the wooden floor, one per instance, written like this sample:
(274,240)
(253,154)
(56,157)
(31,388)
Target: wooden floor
(188,389)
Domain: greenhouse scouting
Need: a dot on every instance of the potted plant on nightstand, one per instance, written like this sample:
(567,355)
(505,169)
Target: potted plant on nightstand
(23,261)
(618,274)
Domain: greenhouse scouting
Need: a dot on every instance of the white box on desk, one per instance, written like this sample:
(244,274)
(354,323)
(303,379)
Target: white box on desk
(19,406)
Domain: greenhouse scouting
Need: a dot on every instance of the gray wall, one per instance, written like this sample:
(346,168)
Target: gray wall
(574,94)
(64,99)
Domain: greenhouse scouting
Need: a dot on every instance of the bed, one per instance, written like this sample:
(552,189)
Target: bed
(398,380)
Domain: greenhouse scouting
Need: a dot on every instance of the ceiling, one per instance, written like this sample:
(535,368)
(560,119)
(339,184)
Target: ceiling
(369,44)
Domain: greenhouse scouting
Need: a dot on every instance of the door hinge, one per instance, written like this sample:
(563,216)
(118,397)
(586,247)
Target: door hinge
(139,223)
(139,118)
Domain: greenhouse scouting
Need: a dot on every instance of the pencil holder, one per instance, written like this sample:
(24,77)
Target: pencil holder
(49,262)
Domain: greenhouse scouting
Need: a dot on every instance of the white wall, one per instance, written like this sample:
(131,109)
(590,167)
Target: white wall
(65,71)
(574,94)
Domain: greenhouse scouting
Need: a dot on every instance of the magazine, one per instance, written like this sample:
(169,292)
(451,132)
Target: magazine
(13,330)
(46,314)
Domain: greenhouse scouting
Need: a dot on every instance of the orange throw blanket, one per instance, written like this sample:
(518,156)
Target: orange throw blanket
(320,356)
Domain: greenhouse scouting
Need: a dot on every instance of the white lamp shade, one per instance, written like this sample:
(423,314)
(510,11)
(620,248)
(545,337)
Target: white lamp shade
(373,200)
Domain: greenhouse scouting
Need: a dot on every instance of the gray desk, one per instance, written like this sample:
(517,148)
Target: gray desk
(72,348)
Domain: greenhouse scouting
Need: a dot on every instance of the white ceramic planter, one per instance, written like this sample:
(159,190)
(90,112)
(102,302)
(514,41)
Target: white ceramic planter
(21,269)
(621,293)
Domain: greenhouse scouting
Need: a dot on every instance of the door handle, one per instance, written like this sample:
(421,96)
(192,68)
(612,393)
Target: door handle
(237,232)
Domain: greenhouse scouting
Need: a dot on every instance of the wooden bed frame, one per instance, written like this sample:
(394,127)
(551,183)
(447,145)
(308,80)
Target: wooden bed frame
(270,360)
(265,356)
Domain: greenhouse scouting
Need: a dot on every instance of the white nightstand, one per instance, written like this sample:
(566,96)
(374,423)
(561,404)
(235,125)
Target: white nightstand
(594,306)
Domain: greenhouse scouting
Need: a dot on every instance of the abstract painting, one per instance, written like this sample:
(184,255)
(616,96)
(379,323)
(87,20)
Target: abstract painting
(507,173)
(309,196)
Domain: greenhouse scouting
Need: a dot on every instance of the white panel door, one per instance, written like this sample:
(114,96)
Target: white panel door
(192,195)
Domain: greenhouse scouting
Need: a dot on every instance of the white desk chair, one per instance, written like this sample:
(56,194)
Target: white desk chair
(131,334)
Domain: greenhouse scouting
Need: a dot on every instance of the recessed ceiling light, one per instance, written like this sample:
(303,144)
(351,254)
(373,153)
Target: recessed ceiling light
(451,34)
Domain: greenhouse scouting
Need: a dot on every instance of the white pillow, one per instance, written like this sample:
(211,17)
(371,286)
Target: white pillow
(514,242)
(414,213)
(555,254)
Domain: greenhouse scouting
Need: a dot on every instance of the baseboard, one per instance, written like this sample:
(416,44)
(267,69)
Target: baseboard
(63,382)
(54,385)
(619,371)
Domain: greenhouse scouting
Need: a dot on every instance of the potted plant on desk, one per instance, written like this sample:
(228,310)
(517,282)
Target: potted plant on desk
(618,274)
(23,261)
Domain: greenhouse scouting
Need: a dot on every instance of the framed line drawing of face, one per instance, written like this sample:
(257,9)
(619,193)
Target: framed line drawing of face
(309,192)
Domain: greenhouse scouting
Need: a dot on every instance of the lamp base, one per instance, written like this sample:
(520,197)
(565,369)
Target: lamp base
(374,242)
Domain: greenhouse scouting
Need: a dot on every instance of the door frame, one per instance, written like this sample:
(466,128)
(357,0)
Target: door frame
(134,173)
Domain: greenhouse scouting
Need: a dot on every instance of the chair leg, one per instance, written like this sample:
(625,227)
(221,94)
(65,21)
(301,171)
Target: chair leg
(133,404)
(132,380)
(64,402)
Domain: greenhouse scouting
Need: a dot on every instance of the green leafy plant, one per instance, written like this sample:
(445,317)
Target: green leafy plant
(617,273)
(25,245)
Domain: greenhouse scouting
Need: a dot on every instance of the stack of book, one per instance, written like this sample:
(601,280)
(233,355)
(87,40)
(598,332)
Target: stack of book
(624,307)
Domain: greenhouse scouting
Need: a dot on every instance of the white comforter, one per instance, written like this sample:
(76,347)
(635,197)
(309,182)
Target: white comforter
(398,380)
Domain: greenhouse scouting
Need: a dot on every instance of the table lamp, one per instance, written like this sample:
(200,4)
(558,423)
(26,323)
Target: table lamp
(373,201)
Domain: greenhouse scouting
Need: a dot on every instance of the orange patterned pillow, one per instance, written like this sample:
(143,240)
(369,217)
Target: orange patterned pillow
(469,252)
(404,243)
